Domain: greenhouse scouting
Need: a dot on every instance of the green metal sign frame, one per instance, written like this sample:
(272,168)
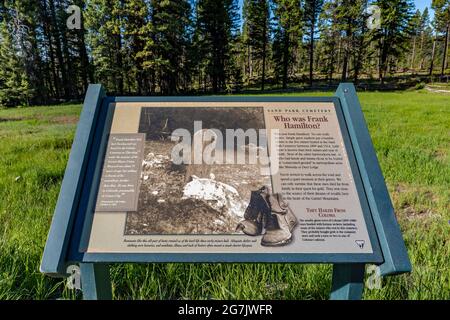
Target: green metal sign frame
(74,210)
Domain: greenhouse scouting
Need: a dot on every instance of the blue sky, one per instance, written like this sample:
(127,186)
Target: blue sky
(421,4)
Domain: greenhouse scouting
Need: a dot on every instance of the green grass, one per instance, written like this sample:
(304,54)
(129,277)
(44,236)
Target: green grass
(411,133)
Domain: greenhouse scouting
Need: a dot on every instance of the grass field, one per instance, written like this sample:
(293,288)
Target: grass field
(411,133)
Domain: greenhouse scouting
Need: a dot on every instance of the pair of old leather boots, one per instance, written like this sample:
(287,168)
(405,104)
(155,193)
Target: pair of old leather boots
(270,212)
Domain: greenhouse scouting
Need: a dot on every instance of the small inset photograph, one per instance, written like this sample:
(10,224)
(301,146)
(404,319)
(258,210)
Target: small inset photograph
(196,198)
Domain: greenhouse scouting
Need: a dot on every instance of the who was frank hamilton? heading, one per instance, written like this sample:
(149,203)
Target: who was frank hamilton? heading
(308,122)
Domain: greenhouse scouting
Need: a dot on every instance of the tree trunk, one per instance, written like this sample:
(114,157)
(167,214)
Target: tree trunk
(338,56)
(444,58)
(59,56)
(118,56)
(380,67)
(383,61)
(117,40)
(86,71)
(311,55)
(247,66)
(285,59)
(68,85)
(413,57)
(48,37)
(263,76)
(250,63)
(348,36)
(359,57)
(331,61)
(360,52)
(87,74)
(422,40)
(345,67)
(433,53)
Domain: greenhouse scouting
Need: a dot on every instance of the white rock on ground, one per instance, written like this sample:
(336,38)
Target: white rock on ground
(218,195)
(154,161)
(219,222)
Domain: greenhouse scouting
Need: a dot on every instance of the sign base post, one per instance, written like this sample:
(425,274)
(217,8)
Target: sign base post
(95,281)
(348,282)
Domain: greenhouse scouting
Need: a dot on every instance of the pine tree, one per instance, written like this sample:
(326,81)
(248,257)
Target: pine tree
(392,37)
(174,46)
(59,42)
(77,67)
(351,23)
(170,20)
(287,35)
(442,17)
(330,36)
(138,45)
(14,85)
(237,50)
(257,30)
(216,26)
(22,23)
(433,51)
(415,33)
(312,10)
(85,68)
(50,65)
(362,40)
(104,24)
(426,35)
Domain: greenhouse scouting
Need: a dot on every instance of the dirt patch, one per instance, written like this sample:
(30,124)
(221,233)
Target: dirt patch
(410,213)
(440,155)
(409,202)
(65,119)
(437,89)
(11,119)
(399,188)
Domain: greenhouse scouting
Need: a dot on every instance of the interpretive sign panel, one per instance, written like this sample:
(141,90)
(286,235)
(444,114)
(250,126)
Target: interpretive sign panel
(254,159)
(224,179)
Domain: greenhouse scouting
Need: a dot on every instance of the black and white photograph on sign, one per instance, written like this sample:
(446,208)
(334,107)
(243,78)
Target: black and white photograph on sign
(195,198)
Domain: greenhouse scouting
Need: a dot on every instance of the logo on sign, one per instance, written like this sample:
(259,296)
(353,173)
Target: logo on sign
(360,243)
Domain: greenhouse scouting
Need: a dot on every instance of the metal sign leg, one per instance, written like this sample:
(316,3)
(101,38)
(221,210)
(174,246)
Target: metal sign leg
(95,281)
(348,282)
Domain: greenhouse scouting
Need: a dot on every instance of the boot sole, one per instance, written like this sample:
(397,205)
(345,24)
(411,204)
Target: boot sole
(277,244)
(250,234)
(242,229)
